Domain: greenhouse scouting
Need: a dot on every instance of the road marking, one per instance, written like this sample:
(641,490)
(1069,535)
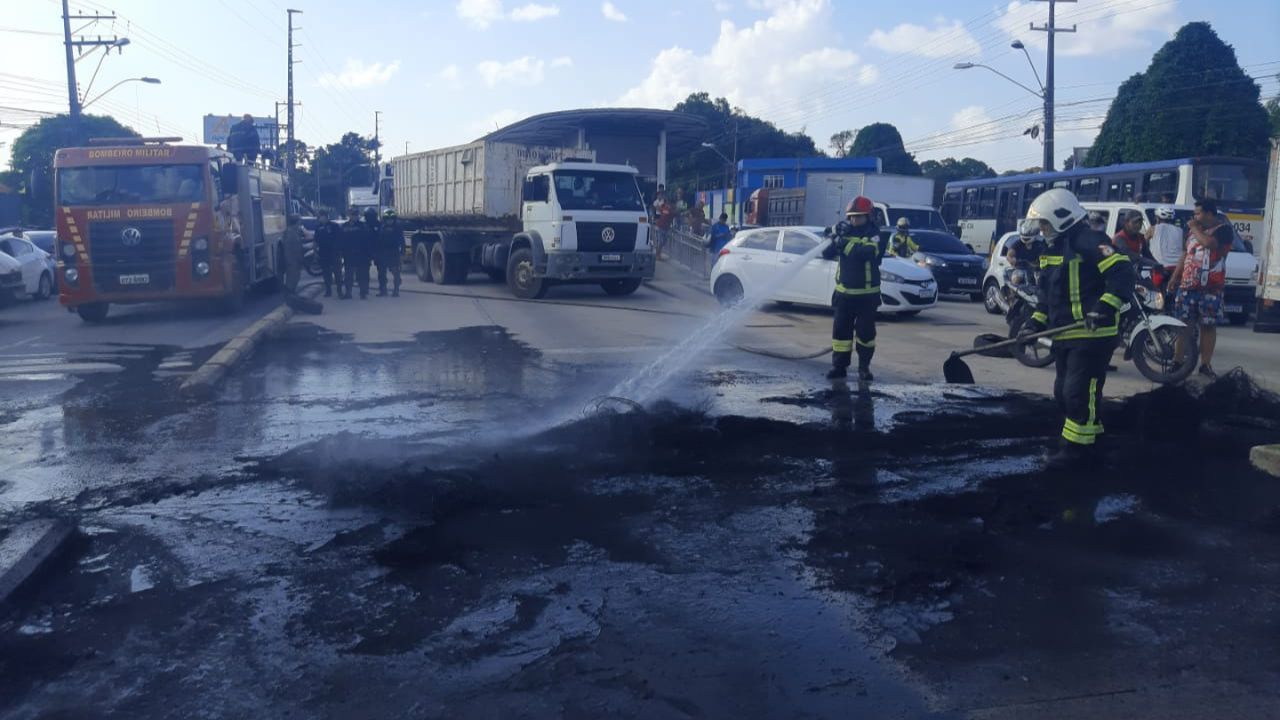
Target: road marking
(20,343)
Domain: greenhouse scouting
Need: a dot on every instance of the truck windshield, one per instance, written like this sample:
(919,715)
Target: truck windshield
(919,219)
(597,190)
(137,184)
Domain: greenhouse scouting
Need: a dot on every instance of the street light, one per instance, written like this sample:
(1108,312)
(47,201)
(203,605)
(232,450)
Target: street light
(1043,94)
(727,162)
(147,80)
(1017,45)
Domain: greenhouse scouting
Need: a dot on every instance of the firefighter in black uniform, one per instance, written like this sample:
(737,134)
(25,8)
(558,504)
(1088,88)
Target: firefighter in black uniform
(859,247)
(1083,279)
(390,247)
(328,244)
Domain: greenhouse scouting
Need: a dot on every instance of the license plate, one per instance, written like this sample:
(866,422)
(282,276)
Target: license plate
(1233,308)
(967,281)
(135,279)
(610,257)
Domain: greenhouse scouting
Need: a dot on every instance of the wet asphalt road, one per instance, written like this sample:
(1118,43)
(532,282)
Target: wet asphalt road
(425,511)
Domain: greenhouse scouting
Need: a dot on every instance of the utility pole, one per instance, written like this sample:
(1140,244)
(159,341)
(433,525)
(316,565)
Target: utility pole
(276,148)
(1052,30)
(289,151)
(73,92)
(377,147)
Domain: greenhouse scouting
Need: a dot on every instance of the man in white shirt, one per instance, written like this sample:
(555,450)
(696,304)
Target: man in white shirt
(1167,239)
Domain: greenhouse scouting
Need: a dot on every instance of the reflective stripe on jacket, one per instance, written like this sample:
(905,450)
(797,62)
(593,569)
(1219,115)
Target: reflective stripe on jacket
(1082,272)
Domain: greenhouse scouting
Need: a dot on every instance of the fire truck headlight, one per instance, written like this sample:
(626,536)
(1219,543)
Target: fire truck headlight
(68,250)
(200,244)
(71,274)
(202,268)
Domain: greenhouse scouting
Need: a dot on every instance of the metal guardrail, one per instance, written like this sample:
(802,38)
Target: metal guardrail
(689,251)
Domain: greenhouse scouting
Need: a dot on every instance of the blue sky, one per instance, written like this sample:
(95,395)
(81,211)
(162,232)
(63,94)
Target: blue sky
(446,71)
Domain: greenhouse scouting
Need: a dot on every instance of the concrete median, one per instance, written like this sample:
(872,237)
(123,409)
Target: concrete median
(202,382)
(27,548)
(1266,458)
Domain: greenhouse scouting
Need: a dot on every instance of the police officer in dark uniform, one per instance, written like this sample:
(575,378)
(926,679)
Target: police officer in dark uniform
(858,246)
(328,249)
(390,248)
(1083,279)
(355,258)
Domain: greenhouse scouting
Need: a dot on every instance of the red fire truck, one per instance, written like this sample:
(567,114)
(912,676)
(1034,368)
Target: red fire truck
(143,220)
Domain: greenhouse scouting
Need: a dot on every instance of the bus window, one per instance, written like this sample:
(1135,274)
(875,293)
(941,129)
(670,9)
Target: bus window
(1113,191)
(1062,184)
(987,205)
(1161,186)
(1033,190)
(1088,188)
(1242,185)
(970,203)
(951,208)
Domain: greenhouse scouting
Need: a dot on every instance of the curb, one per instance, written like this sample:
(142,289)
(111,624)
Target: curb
(1266,458)
(27,548)
(239,348)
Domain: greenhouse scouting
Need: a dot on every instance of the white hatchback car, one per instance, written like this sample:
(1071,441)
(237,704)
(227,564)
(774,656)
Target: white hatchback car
(756,261)
(36,265)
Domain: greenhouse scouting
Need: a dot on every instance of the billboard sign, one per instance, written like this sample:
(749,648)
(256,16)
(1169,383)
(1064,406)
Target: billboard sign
(217,127)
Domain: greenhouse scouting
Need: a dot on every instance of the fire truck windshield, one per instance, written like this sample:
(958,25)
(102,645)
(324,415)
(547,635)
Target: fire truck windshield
(130,184)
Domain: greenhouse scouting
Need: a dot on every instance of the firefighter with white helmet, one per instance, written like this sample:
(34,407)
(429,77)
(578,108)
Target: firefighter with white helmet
(1084,282)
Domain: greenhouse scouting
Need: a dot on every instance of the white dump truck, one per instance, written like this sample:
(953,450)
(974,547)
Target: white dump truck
(532,217)
(1268,311)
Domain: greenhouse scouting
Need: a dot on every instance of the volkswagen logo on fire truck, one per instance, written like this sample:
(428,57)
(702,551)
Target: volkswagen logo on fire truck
(607,234)
(131,237)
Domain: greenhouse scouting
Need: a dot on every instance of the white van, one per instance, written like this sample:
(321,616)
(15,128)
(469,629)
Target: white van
(1242,266)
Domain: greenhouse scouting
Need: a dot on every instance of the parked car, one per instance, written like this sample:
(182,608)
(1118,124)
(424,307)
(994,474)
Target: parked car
(994,282)
(42,239)
(36,265)
(12,286)
(954,265)
(753,259)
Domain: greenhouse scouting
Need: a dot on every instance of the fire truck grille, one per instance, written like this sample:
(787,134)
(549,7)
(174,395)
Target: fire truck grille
(121,257)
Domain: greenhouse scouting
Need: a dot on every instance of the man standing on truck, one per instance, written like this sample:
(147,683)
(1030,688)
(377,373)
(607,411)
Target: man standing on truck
(243,142)
(328,244)
(390,246)
(858,246)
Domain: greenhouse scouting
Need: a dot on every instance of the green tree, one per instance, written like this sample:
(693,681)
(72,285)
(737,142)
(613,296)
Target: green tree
(839,143)
(337,167)
(727,126)
(883,140)
(32,156)
(1273,111)
(949,169)
(1193,99)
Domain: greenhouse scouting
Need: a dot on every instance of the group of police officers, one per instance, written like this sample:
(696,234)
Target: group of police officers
(1084,282)
(345,252)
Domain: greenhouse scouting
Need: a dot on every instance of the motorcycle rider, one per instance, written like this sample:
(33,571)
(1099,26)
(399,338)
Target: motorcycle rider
(901,244)
(1130,240)
(390,247)
(858,245)
(1083,279)
(1030,245)
(328,243)
(1167,240)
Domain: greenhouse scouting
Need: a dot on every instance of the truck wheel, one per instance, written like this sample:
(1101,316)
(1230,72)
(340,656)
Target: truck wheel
(422,262)
(448,268)
(93,312)
(624,286)
(521,277)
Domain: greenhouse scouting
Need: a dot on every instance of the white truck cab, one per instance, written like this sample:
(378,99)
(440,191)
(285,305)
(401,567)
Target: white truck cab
(921,217)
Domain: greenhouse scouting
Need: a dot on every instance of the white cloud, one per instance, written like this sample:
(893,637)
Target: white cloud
(1134,26)
(611,12)
(969,117)
(483,13)
(527,70)
(868,75)
(356,74)
(533,12)
(943,40)
(480,13)
(783,67)
(563,61)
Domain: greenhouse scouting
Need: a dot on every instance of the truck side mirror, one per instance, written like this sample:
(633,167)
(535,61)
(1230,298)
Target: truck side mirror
(230,178)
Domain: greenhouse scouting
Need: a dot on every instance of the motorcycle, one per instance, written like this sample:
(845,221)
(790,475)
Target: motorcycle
(1022,296)
(310,258)
(1150,339)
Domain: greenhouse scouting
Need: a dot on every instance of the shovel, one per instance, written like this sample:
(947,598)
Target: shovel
(955,371)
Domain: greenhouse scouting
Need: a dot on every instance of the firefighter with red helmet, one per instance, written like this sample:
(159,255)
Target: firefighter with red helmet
(858,247)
